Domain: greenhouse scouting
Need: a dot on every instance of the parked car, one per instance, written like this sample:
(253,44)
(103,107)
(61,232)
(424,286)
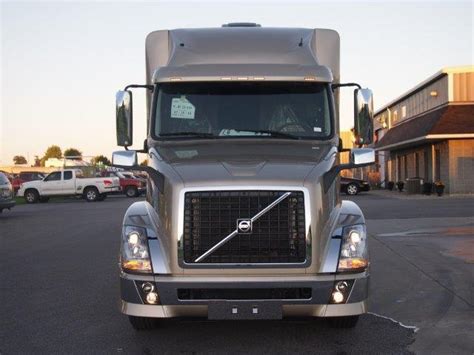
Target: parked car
(130,185)
(6,193)
(353,186)
(66,183)
(25,176)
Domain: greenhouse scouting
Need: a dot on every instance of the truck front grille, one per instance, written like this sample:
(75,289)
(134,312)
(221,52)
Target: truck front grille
(278,236)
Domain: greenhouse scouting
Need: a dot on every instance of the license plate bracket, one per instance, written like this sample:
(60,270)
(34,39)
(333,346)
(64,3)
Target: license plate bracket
(244,310)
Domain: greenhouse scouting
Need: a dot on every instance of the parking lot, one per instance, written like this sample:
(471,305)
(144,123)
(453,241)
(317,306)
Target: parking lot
(59,289)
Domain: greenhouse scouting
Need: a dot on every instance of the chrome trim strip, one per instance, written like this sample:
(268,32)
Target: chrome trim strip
(332,256)
(235,232)
(179,237)
(217,246)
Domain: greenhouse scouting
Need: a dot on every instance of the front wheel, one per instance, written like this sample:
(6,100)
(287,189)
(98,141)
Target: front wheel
(91,194)
(343,322)
(31,196)
(142,323)
(131,191)
(352,189)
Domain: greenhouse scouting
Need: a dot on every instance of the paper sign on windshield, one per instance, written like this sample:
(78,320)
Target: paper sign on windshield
(182,108)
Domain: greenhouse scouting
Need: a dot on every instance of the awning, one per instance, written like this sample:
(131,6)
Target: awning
(448,122)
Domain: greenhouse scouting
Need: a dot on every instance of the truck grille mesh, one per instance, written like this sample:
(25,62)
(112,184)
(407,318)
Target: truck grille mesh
(277,237)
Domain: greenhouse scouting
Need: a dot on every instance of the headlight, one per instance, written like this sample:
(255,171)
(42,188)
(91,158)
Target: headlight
(135,255)
(354,254)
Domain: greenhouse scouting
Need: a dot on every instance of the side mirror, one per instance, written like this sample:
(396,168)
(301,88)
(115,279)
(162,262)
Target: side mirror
(124,113)
(363,116)
(125,158)
(362,156)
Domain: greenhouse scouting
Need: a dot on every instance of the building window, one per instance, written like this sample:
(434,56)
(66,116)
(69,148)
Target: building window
(395,116)
(404,111)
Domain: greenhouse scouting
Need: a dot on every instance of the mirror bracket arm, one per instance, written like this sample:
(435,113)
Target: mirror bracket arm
(337,86)
(134,86)
(331,174)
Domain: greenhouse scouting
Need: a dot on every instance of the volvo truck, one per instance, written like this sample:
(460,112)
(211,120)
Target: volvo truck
(242,217)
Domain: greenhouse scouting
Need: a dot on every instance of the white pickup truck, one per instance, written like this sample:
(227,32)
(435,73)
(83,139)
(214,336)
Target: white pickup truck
(66,183)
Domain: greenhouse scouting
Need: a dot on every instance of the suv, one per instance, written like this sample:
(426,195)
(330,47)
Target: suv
(6,193)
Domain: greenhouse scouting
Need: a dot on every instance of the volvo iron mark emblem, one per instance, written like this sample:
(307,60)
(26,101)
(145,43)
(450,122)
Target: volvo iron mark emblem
(244,226)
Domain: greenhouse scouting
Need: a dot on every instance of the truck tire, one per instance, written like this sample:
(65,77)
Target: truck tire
(131,191)
(91,194)
(343,322)
(352,189)
(142,323)
(31,196)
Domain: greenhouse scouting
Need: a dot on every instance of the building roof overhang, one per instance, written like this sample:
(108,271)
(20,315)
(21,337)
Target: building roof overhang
(447,122)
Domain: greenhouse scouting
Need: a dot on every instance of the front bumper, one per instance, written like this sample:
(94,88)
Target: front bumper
(7,204)
(171,305)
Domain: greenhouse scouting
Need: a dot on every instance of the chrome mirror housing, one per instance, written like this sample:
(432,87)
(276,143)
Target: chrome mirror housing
(362,156)
(363,116)
(125,158)
(124,119)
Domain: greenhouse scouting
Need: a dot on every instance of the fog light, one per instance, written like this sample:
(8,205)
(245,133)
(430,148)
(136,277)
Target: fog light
(148,287)
(337,296)
(152,298)
(341,291)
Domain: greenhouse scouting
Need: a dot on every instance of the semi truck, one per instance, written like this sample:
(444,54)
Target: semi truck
(242,217)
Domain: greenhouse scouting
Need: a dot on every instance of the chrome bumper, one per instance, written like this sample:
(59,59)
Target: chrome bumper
(318,305)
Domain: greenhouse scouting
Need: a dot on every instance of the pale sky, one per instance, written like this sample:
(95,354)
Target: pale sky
(62,62)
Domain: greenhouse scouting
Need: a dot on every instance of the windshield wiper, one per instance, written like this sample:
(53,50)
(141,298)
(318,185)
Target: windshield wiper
(190,134)
(270,133)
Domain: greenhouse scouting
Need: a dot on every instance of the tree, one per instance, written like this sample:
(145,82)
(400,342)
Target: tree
(19,159)
(74,153)
(53,151)
(101,160)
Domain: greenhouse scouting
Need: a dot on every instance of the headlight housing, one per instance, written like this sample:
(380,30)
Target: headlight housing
(135,255)
(354,253)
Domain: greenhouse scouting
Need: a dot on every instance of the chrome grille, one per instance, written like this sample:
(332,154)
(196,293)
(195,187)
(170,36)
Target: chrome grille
(278,236)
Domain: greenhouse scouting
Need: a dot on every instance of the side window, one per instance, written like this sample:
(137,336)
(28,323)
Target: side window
(67,175)
(53,176)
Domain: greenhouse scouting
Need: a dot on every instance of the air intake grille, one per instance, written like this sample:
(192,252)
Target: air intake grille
(276,237)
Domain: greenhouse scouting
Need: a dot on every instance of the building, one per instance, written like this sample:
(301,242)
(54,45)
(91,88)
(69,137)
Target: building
(428,132)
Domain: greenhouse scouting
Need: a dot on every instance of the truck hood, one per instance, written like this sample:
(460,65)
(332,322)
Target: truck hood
(243,162)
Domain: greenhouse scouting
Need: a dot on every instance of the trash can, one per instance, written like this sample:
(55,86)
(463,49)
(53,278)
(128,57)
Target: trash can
(414,185)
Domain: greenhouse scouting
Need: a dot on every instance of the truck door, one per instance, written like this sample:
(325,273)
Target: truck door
(68,183)
(52,184)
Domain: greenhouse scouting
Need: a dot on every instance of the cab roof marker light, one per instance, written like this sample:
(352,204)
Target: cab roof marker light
(258,78)
(310,78)
(242,78)
(175,79)
(226,78)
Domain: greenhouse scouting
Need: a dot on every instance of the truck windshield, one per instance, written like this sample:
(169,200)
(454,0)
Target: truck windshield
(297,110)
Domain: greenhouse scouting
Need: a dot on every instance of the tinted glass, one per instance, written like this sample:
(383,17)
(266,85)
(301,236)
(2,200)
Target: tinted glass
(3,179)
(54,176)
(67,175)
(239,108)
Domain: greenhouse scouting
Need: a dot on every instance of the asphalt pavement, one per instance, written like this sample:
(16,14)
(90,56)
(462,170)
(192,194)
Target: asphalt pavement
(60,290)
